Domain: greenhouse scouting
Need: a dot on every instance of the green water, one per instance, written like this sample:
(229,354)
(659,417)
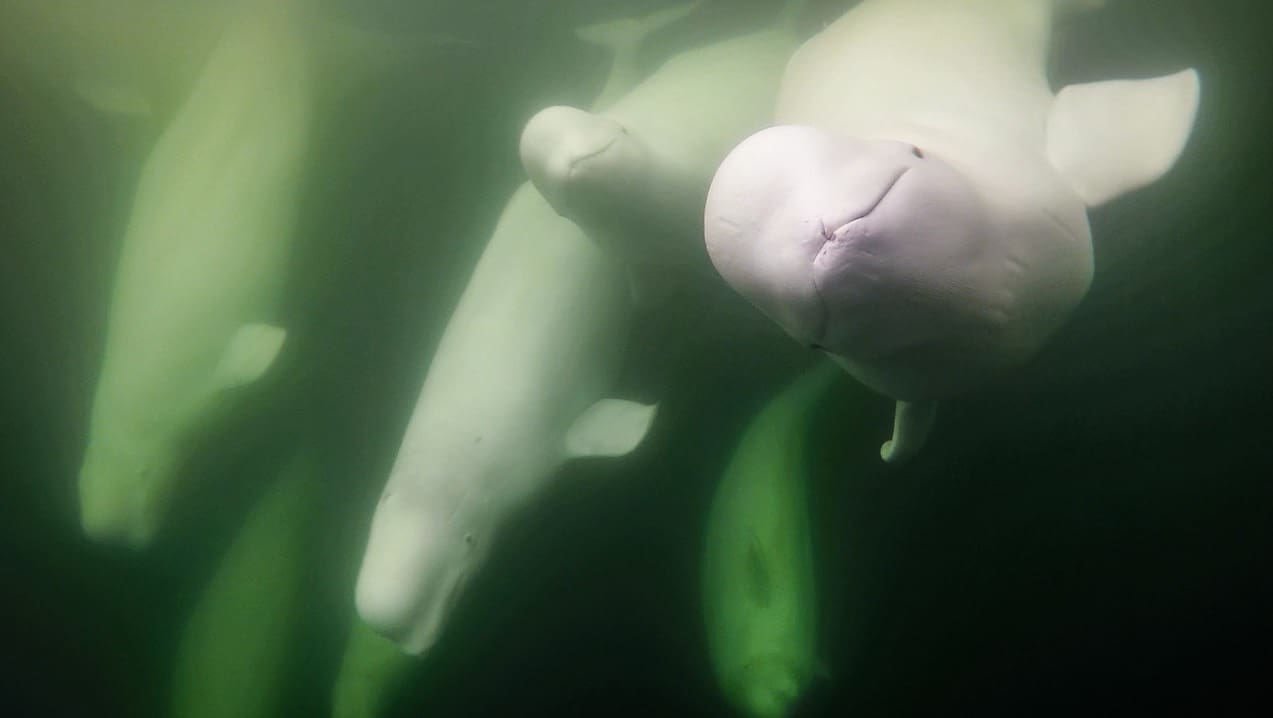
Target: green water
(1089,535)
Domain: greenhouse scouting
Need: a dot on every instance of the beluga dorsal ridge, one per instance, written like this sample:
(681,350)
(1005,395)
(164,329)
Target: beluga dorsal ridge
(634,172)
(519,385)
(919,211)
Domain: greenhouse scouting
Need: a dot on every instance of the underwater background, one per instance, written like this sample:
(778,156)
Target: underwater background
(1091,534)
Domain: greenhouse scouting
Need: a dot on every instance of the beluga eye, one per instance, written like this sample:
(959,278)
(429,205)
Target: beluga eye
(917,152)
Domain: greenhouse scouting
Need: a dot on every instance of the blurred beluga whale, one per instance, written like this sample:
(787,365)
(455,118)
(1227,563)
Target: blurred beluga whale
(191,328)
(634,175)
(201,269)
(919,211)
(519,384)
(759,586)
(237,646)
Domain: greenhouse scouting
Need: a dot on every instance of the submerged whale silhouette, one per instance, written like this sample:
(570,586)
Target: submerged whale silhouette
(759,586)
(919,211)
(200,272)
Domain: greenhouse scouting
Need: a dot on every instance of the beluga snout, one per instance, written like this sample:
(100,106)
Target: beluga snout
(415,571)
(130,518)
(573,156)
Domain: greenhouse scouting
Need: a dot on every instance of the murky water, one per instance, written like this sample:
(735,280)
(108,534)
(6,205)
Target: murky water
(1087,533)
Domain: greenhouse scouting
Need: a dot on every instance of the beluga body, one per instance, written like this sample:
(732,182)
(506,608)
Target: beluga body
(520,384)
(919,211)
(759,587)
(190,328)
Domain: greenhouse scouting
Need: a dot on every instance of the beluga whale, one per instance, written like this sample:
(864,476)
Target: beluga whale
(520,383)
(919,209)
(759,587)
(634,174)
(191,325)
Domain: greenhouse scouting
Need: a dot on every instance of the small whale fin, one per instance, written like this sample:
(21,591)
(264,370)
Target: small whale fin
(1112,137)
(610,427)
(624,37)
(912,421)
(251,351)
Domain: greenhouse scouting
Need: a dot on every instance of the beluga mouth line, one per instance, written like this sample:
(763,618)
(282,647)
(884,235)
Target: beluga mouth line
(834,234)
(576,162)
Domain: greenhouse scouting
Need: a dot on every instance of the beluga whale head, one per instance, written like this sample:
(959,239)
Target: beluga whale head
(574,156)
(636,199)
(426,552)
(873,251)
(109,515)
(922,216)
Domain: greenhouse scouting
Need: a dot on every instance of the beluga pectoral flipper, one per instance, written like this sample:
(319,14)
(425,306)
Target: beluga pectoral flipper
(919,211)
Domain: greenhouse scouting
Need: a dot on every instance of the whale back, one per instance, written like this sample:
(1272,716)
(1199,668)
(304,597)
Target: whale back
(975,69)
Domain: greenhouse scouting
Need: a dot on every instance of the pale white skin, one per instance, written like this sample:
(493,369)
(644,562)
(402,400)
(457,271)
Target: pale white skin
(905,215)
(203,256)
(517,387)
(635,174)
(759,594)
(537,338)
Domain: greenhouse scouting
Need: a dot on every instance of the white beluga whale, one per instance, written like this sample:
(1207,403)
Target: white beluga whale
(919,211)
(517,387)
(192,326)
(200,271)
(236,650)
(519,384)
(635,174)
(759,585)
